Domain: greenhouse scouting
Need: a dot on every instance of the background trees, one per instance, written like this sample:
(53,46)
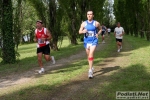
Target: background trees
(8,53)
(63,18)
(134,16)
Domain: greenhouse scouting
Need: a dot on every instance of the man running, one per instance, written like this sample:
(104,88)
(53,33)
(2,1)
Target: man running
(103,33)
(119,31)
(42,36)
(89,29)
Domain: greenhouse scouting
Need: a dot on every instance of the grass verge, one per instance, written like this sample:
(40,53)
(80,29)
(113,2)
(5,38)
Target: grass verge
(43,86)
(133,75)
(28,57)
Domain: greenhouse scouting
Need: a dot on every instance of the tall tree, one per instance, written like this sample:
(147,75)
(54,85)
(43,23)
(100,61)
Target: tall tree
(40,8)
(18,18)
(0,24)
(70,9)
(7,32)
(54,22)
(107,12)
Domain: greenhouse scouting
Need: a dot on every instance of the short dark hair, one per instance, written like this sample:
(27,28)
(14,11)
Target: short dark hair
(90,10)
(39,21)
(118,22)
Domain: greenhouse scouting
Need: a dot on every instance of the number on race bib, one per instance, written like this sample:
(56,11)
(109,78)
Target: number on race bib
(89,34)
(40,41)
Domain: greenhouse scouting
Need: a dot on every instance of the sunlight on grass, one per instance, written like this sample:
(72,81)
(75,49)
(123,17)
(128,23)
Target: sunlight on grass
(47,83)
(133,75)
(28,57)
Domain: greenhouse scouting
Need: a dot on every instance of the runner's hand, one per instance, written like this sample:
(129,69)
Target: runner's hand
(96,35)
(84,31)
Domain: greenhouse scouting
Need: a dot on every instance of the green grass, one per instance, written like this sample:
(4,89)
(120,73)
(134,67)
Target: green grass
(28,57)
(47,84)
(133,75)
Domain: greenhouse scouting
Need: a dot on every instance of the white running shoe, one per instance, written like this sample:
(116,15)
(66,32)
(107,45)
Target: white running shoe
(41,71)
(92,69)
(53,59)
(90,74)
(118,50)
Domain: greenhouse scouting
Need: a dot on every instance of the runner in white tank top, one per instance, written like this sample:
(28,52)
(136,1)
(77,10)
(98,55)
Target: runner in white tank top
(119,31)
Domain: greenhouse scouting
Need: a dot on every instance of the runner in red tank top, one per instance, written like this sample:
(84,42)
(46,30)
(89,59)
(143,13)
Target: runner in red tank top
(39,35)
(42,37)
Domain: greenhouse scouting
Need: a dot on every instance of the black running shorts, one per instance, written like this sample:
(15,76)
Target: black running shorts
(118,40)
(45,50)
(103,33)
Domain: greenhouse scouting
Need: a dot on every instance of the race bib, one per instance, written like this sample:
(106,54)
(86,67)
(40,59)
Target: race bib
(90,34)
(40,41)
(118,32)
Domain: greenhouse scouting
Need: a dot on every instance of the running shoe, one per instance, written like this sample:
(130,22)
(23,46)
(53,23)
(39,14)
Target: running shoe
(90,74)
(41,71)
(118,50)
(92,69)
(53,59)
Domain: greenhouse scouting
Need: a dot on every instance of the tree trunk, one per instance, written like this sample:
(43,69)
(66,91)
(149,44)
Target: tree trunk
(17,23)
(72,17)
(141,34)
(7,33)
(53,25)
(131,32)
(148,36)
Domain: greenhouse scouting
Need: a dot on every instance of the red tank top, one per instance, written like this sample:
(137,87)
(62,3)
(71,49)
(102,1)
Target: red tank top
(39,35)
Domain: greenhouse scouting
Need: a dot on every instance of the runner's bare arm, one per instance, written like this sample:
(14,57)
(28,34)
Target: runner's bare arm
(82,30)
(122,33)
(99,28)
(48,33)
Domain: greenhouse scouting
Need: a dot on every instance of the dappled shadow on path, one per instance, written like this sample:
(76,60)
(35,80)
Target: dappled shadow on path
(106,70)
(83,89)
(126,79)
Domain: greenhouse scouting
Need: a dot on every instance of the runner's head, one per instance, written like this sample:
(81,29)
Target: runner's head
(118,24)
(39,24)
(90,15)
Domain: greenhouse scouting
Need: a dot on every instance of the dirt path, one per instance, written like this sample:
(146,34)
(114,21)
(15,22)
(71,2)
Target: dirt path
(16,79)
(78,86)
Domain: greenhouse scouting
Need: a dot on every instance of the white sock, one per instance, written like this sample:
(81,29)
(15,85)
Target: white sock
(42,68)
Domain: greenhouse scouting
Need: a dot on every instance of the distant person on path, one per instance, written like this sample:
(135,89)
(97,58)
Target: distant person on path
(104,30)
(42,36)
(91,29)
(119,31)
(108,30)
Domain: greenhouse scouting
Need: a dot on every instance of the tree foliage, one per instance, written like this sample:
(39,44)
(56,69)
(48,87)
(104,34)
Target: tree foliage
(134,16)
(61,17)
